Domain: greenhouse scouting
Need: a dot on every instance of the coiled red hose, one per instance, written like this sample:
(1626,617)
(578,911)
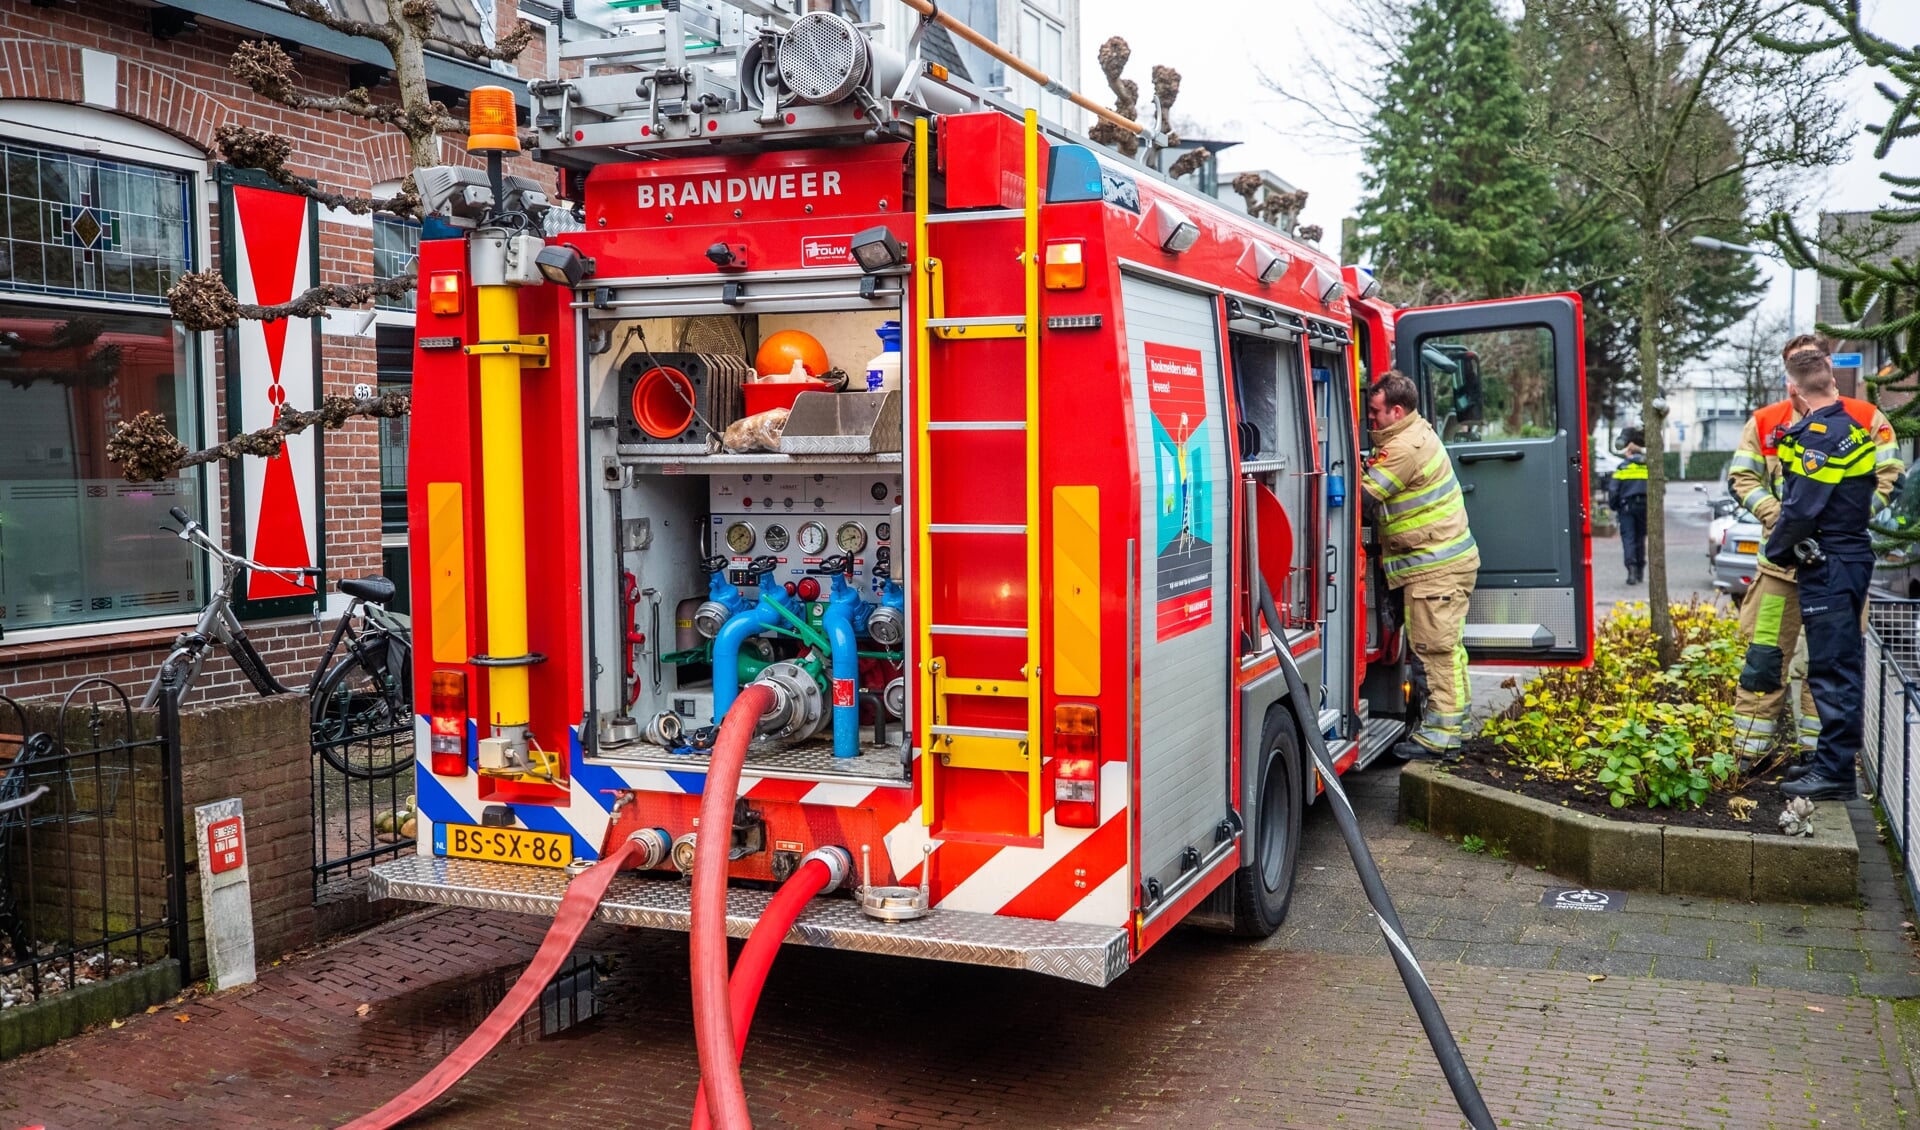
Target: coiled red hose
(712,1016)
(750,971)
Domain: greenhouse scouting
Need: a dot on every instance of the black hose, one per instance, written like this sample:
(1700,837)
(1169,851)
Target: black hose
(1466,1092)
(879,715)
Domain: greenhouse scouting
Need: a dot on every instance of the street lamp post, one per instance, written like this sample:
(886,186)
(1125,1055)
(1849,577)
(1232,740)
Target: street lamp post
(1793,276)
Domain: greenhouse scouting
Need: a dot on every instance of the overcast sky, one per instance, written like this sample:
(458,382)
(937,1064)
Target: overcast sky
(1221,55)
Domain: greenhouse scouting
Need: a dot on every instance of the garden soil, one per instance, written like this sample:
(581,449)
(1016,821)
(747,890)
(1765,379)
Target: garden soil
(1487,763)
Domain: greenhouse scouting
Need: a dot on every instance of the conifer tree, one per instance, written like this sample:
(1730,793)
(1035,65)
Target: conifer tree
(1449,203)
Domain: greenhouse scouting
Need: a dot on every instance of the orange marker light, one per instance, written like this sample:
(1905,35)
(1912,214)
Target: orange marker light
(443,292)
(1066,264)
(491,123)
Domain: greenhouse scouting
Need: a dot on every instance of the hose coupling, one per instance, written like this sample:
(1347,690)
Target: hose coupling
(656,845)
(839,863)
(683,848)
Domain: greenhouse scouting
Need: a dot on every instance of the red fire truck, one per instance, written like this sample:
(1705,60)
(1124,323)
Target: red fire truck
(1008,610)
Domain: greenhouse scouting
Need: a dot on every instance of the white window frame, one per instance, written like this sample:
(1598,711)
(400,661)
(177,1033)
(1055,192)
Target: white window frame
(1062,16)
(399,318)
(102,134)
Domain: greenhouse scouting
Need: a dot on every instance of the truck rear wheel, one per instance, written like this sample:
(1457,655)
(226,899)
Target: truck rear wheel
(1264,888)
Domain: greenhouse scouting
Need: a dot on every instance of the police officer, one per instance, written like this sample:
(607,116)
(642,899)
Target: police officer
(1770,614)
(1627,498)
(1829,460)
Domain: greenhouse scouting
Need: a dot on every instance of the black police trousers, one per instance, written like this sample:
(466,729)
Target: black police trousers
(1633,532)
(1832,595)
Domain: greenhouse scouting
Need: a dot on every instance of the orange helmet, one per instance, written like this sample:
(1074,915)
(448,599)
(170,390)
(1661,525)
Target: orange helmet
(779,351)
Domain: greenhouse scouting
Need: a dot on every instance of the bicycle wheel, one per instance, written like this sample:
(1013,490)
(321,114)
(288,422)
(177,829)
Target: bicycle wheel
(362,725)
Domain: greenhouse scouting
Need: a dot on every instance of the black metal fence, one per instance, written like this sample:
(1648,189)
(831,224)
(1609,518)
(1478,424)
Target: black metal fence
(92,855)
(1892,711)
(362,796)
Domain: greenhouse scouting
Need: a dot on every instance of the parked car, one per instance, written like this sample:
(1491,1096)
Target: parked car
(1733,548)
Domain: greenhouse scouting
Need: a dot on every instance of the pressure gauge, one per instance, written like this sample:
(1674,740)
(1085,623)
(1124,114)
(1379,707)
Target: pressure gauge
(883,531)
(740,537)
(852,537)
(813,538)
(776,538)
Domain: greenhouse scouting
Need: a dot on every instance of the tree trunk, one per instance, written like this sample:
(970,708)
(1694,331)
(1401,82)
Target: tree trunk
(410,77)
(1652,421)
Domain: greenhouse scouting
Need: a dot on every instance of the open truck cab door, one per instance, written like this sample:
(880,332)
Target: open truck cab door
(1504,383)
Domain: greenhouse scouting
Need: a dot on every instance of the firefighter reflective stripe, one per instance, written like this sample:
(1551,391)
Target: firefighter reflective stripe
(1766,630)
(1383,480)
(1751,736)
(1430,557)
(1630,472)
(1412,511)
(1746,461)
(1809,732)
(1754,498)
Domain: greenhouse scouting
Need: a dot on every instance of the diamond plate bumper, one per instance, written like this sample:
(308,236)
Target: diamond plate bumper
(1092,955)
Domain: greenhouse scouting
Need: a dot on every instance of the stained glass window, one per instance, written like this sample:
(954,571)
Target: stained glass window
(92,227)
(396,246)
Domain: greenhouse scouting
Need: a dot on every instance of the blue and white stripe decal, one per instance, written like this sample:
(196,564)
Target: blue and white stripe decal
(456,800)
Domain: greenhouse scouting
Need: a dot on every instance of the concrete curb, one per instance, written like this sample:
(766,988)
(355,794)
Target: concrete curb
(1595,851)
(44,1023)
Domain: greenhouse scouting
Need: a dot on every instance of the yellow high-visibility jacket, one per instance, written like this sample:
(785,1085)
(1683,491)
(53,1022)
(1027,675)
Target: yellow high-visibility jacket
(1754,472)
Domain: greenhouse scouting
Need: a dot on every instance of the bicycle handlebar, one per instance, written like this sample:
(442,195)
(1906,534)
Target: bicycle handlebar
(196,534)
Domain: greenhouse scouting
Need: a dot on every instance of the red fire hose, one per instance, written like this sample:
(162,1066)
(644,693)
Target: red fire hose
(713,1028)
(816,876)
(712,1019)
(576,910)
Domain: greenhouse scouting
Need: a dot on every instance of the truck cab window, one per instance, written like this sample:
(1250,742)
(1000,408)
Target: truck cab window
(1491,385)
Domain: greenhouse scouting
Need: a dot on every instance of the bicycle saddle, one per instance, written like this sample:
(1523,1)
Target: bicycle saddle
(375,588)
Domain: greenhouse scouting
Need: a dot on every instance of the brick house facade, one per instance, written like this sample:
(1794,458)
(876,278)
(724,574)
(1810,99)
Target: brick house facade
(120,89)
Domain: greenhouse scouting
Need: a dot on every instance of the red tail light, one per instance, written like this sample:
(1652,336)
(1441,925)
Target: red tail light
(448,723)
(1076,765)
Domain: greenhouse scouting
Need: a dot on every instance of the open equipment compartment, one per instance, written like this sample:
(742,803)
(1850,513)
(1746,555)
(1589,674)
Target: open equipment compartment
(686,536)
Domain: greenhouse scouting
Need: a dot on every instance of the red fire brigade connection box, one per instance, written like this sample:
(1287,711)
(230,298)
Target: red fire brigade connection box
(226,848)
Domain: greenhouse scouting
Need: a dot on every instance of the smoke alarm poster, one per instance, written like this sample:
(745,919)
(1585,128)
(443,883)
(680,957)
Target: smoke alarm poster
(1182,496)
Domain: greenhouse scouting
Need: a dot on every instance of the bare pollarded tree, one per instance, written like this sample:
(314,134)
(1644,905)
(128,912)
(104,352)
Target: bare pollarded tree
(1696,114)
(145,447)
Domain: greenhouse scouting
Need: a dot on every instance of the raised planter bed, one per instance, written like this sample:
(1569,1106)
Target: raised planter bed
(1598,852)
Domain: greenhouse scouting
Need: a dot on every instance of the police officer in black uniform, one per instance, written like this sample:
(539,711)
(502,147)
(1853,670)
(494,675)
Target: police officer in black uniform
(1828,463)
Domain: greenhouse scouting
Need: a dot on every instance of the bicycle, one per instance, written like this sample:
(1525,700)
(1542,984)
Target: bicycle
(366,694)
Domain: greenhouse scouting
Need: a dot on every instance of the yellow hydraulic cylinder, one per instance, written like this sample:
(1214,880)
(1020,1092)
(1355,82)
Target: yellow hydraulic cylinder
(504,490)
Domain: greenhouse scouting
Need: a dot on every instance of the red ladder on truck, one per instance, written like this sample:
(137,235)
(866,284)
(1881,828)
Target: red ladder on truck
(984,715)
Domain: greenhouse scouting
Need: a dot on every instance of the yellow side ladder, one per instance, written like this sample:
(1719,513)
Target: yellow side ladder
(950,746)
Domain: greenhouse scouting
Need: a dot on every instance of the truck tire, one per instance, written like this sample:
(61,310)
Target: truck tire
(1264,888)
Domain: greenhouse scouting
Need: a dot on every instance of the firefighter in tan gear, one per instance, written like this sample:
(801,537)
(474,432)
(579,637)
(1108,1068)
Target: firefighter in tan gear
(1770,612)
(1427,552)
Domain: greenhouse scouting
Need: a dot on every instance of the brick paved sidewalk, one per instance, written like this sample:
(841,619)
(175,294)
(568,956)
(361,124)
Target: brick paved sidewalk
(1310,1029)
(1478,910)
(1205,1032)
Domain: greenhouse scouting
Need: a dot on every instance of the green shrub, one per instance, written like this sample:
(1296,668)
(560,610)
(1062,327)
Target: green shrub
(1707,466)
(1671,459)
(1625,725)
